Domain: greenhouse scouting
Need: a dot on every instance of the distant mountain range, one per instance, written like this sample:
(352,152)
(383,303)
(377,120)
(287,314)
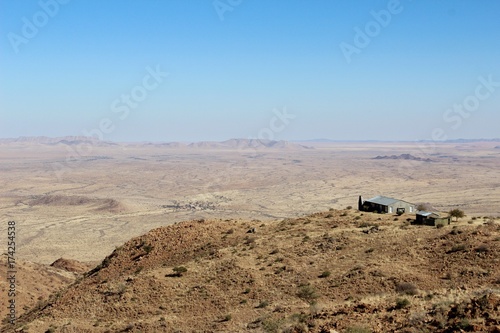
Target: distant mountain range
(66,140)
(403,157)
(323,140)
(465,140)
(232,143)
(228,144)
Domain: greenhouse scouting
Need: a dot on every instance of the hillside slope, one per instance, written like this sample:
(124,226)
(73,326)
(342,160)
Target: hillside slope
(35,282)
(336,271)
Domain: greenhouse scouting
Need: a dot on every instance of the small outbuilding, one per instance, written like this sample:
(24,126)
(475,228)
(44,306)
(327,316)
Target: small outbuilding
(432,218)
(381,204)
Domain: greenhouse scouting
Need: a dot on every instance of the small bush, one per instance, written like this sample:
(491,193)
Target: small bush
(227,318)
(349,207)
(179,270)
(271,326)
(148,248)
(406,288)
(249,240)
(457,248)
(325,274)
(402,303)
(482,248)
(122,288)
(307,293)
(439,226)
(456,213)
(465,324)
(262,305)
(370,250)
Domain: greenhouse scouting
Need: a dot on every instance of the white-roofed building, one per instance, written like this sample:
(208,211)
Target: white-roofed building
(381,204)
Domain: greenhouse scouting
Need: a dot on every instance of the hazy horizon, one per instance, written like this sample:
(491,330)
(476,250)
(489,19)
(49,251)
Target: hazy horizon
(212,70)
(311,140)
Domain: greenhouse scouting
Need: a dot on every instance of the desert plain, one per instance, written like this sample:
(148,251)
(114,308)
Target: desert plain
(80,199)
(315,263)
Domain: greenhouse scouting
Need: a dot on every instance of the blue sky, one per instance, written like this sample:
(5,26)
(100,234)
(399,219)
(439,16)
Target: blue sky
(233,65)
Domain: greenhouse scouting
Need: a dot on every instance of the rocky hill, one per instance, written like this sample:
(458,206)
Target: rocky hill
(403,157)
(335,271)
(35,283)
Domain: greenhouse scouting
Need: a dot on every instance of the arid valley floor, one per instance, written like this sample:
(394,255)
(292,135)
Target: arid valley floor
(82,201)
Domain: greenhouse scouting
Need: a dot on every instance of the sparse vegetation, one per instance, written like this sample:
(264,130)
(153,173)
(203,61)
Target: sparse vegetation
(482,248)
(262,304)
(179,271)
(367,225)
(402,303)
(406,288)
(264,282)
(307,293)
(456,213)
(274,251)
(358,329)
(457,248)
(325,274)
(249,240)
(147,248)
